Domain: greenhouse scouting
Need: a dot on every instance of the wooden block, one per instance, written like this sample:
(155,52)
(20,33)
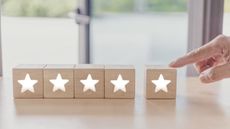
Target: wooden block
(28,81)
(160,82)
(59,81)
(89,81)
(119,81)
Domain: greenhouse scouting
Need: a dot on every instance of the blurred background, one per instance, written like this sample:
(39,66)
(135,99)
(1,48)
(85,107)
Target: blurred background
(122,32)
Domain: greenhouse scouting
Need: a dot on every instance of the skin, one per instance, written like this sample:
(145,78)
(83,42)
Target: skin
(212,61)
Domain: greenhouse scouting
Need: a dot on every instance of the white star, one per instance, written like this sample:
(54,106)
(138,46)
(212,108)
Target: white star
(119,84)
(89,83)
(161,84)
(27,84)
(59,83)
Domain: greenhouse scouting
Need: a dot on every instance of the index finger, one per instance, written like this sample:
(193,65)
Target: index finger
(196,55)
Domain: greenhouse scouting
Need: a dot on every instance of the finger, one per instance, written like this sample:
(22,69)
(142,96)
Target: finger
(202,65)
(201,53)
(195,55)
(215,74)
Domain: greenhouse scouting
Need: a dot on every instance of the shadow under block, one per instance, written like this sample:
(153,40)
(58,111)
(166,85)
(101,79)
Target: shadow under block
(89,81)
(160,82)
(28,81)
(119,81)
(59,81)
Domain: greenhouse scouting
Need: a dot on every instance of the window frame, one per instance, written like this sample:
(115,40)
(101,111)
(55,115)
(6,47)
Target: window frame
(84,7)
(205,23)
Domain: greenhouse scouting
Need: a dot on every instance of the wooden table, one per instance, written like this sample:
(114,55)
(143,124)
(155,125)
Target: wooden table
(197,106)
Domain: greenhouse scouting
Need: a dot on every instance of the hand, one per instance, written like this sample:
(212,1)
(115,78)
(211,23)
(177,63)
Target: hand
(212,61)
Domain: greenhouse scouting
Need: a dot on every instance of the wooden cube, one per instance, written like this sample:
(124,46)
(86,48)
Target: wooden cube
(28,81)
(119,81)
(59,81)
(160,82)
(89,81)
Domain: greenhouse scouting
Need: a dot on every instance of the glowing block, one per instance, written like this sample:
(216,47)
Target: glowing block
(59,81)
(89,81)
(160,82)
(28,81)
(119,81)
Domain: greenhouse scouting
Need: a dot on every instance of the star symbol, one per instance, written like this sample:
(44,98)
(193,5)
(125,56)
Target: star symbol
(59,83)
(27,84)
(89,83)
(119,84)
(161,84)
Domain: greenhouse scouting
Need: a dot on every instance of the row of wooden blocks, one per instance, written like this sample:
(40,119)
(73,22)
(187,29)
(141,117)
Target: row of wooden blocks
(90,81)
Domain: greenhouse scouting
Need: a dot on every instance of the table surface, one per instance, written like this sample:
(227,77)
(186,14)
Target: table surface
(196,106)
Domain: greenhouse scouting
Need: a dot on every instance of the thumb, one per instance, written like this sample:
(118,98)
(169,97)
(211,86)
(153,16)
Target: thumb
(215,73)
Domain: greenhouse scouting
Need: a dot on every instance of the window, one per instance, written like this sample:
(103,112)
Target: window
(226,24)
(138,31)
(38,32)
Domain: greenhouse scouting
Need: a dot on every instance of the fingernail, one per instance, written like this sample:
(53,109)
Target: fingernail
(172,64)
(204,76)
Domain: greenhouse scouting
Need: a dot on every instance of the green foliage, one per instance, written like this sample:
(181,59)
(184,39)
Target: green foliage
(61,8)
(167,5)
(41,8)
(108,6)
(101,6)
(227,5)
